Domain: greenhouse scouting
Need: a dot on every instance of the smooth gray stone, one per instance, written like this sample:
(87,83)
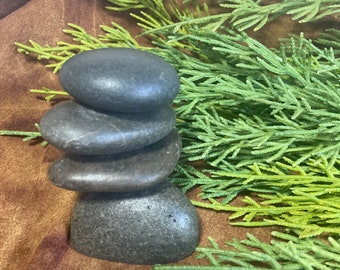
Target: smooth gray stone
(77,129)
(156,225)
(120,79)
(127,171)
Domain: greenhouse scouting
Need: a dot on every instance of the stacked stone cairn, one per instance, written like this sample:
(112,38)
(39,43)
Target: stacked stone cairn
(120,143)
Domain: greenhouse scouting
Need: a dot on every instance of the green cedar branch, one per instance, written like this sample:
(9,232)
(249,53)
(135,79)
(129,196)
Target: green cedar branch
(28,135)
(241,14)
(294,92)
(285,251)
(250,13)
(295,196)
(56,56)
(331,39)
(50,94)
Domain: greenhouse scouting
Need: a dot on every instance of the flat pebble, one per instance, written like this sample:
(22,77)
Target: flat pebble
(127,171)
(156,225)
(76,129)
(120,79)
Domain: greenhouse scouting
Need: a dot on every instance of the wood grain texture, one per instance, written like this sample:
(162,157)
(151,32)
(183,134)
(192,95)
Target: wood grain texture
(34,214)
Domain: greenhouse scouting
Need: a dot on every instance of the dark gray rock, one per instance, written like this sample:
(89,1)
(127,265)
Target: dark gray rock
(127,171)
(77,129)
(120,79)
(156,225)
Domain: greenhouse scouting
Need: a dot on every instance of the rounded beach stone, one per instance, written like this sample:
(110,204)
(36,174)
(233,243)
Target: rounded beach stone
(120,79)
(77,129)
(156,225)
(127,171)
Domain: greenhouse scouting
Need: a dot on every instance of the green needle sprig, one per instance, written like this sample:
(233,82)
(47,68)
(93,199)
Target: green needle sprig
(304,196)
(27,135)
(51,94)
(251,13)
(247,103)
(56,56)
(286,251)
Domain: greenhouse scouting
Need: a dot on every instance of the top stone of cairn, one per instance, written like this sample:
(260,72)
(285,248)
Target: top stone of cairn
(120,80)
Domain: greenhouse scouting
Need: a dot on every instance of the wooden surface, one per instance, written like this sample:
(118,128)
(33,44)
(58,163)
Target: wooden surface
(34,214)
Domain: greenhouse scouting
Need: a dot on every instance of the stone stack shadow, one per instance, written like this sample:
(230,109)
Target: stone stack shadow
(120,142)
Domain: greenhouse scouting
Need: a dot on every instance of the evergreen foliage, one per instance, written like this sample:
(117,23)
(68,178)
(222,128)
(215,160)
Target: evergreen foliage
(286,251)
(250,13)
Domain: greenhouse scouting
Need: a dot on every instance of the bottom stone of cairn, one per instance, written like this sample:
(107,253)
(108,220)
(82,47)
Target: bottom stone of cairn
(151,226)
